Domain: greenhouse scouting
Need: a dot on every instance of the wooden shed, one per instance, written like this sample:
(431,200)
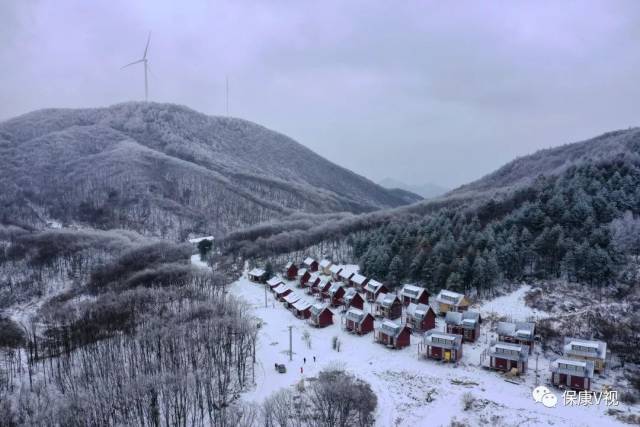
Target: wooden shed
(310,264)
(334,271)
(359,281)
(303,277)
(335,293)
(301,309)
(517,333)
(274,282)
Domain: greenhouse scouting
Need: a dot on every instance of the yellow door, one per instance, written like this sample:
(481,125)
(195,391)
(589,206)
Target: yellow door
(447,355)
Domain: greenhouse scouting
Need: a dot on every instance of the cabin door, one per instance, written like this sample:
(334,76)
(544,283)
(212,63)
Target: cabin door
(447,355)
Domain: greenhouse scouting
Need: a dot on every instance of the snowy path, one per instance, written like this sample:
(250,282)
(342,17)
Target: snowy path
(401,378)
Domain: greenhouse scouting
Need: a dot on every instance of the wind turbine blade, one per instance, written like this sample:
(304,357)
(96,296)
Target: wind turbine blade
(133,63)
(146,48)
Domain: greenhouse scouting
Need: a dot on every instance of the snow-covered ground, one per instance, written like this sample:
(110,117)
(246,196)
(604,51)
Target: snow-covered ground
(511,306)
(402,378)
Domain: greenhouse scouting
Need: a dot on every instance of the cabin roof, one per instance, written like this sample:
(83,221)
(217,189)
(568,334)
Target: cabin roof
(258,272)
(292,297)
(520,330)
(449,297)
(510,351)
(324,263)
(444,340)
(358,279)
(356,315)
(583,368)
(308,261)
(418,310)
(412,291)
(301,305)
(302,272)
(582,348)
(373,286)
(335,269)
(280,289)
(274,281)
(467,319)
(386,299)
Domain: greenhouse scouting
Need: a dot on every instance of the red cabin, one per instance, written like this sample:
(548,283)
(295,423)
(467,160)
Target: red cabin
(274,282)
(441,346)
(387,306)
(393,335)
(323,287)
(334,271)
(358,322)
(320,316)
(372,289)
(359,281)
(312,283)
(466,323)
(573,374)
(281,292)
(352,298)
(310,264)
(506,357)
(303,277)
(414,294)
(301,309)
(290,271)
(336,292)
(420,317)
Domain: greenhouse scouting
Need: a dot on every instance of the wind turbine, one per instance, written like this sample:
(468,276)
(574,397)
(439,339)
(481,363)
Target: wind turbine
(146,66)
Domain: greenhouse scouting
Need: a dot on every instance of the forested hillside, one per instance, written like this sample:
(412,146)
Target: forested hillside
(167,171)
(110,328)
(575,219)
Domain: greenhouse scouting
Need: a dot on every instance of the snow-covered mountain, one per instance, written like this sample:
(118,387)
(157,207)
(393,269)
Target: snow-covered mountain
(166,170)
(428,190)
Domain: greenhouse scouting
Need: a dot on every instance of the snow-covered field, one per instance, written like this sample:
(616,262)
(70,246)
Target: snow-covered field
(401,378)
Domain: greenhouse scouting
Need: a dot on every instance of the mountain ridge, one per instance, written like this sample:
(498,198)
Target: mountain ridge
(122,166)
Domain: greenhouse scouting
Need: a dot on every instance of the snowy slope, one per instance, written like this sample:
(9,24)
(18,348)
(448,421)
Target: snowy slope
(402,378)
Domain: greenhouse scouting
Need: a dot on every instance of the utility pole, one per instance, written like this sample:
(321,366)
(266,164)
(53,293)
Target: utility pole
(265,296)
(290,344)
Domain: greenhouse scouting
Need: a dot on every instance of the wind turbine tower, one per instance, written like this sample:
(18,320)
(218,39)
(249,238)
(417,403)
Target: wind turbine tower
(146,68)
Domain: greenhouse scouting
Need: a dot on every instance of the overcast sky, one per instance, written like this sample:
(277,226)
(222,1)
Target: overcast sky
(440,92)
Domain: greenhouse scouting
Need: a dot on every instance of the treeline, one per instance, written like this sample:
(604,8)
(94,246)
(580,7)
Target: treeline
(575,226)
(137,337)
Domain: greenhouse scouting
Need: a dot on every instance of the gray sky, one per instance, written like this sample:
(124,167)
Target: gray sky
(441,92)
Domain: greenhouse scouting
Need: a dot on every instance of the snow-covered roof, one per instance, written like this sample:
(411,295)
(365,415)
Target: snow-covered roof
(386,299)
(302,272)
(274,281)
(280,289)
(335,269)
(389,327)
(449,297)
(358,279)
(324,281)
(308,261)
(349,294)
(257,272)
(289,265)
(345,274)
(313,277)
(520,330)
(318,308)
(301,304)
(412,291)
(292,297)
(441,339)
(324,263)
(373,286)
(510,351)
(356,315)
(334,287)
(418,311)
(583,368)
(582,348)
(467,319)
